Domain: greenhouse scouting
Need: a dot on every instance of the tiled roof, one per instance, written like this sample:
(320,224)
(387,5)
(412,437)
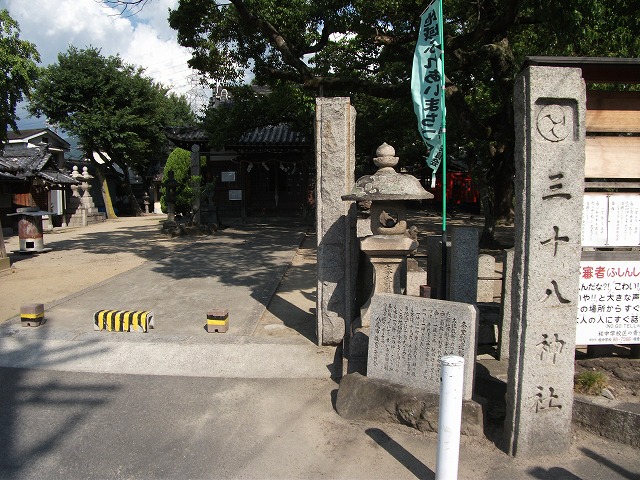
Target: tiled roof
(270,136)
(26,160)
(7,166)
(7,177)
(19,164)
(58,178)
(273,135)
(184,137)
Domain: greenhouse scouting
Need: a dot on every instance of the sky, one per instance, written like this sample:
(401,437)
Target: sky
(144,39)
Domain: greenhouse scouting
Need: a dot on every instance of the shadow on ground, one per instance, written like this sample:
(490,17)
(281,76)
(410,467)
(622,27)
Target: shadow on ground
(145,241)
(27,398)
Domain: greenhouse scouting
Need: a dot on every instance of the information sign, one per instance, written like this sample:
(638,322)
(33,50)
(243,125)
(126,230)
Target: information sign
(608,303)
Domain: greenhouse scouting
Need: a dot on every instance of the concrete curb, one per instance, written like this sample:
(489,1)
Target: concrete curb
(614,420)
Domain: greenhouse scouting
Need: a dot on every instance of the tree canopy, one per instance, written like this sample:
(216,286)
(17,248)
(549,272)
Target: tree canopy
(364,49)
(251,107)
(18,60)
(110,106)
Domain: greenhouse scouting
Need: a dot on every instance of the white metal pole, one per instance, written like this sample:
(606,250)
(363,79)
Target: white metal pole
(449,417)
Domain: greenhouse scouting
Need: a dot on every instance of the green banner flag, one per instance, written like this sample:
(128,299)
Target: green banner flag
(427,83)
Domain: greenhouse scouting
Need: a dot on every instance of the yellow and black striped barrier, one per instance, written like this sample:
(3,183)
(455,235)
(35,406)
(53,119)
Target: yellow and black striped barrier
(123,321)
(32,314)
(217,321)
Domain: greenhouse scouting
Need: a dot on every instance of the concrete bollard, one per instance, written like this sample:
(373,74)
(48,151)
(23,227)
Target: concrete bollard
(449,417)
(217,321)
(32,314)
(123,321)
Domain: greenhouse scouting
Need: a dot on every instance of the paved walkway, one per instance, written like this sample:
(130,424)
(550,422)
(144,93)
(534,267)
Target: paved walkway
(238,269)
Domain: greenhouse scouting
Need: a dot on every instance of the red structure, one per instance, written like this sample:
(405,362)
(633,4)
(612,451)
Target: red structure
(460,190)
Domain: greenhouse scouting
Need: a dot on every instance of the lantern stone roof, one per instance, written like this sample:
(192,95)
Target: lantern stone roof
(387,184)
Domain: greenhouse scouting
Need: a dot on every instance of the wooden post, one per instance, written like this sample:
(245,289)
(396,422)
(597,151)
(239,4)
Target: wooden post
(4,260)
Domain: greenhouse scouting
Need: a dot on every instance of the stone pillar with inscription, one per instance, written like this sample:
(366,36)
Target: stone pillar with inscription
(549,104)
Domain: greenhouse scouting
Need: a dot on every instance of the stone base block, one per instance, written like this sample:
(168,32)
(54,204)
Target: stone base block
(364,398)
(425,291)
(32,314)
(5,263)
(217,327)
(358,351)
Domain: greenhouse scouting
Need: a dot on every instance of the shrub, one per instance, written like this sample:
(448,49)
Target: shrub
(180,162)
(590,382)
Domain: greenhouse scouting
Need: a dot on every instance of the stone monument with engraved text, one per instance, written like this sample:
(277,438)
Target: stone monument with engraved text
(409,335)
(550,114)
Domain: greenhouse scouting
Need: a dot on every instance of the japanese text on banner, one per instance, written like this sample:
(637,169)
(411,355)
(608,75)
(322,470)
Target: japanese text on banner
(427,83)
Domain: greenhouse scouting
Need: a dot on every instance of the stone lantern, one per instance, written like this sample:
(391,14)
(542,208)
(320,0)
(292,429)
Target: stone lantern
(390,242)
(145,202)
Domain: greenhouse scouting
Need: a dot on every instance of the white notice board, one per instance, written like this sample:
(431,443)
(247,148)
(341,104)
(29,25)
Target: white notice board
(611,220)
(608,303)
(228,176)
(595,214)
(624,214)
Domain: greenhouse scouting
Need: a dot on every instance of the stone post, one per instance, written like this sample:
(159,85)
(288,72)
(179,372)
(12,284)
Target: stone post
(487,278)
(505,305)
(549,104)
(463,281)
(416,277)
(434,265)
(335,219)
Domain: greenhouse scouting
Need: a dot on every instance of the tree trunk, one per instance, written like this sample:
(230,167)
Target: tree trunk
(104,189)
(487,239)
(497,195)
(133,202)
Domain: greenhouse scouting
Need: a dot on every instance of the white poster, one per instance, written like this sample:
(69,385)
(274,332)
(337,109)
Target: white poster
(610,220)
(624,221)
(608,303)
(594,220)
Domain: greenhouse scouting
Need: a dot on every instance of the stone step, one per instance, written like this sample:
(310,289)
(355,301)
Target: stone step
(144,356)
